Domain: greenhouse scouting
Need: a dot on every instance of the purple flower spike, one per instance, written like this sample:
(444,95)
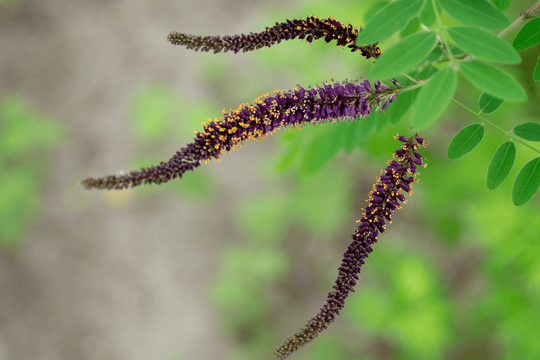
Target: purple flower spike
(383,199)
(268,114)
(311,29)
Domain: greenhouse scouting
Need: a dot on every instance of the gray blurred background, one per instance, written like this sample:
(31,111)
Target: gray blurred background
(97,278)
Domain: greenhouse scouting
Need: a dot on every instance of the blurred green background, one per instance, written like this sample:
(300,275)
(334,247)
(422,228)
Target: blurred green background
(238,255)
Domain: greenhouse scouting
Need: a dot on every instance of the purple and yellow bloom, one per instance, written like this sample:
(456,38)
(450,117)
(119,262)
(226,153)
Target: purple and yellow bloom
(386,196)
(269,113)
(310,29)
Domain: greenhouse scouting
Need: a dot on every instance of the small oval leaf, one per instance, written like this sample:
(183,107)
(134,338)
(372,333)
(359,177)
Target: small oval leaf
(488,103)
(478,13)
(433,98)
(403,56)
(393,17)
(527,182)
(528,36)
(500,165)
(493,80)
(484,45)
(528,131)
(465,141)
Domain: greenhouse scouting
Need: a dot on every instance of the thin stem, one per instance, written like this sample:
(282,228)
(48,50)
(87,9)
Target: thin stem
(441,31)
(519,19)
(507,133)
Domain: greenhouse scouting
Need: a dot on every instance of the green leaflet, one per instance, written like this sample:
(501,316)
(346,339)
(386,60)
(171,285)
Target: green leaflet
(528,36)
(387,21)
(478,13)
(433,98)
(493,80)
(465,141)
(484,45)
(488,103)
(500,165)
(502,4)
(412,26)
(528,131)
(401,104)
(403,56)
(527,182)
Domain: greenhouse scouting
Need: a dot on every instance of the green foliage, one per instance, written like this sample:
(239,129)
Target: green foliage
(465,141)
(478,13)
(528,131)
(527,182)
(528,36)
(26,137)
(434,98)
(502,4)
(493,80)
(488,103)
(403,56)
(484,45)
(501,164)
(393,17)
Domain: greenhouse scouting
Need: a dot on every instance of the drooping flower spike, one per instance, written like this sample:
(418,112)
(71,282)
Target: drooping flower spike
(386,196)
(270,112)
(311,29)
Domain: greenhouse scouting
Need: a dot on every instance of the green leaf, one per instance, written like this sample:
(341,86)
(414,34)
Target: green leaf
(536,73)
(484,45)
(528,131)
(493,80)
(366,126)
(382,120)
(528,36)
(527,182)
(349,140)
(387,21)
(375,8)
(478,13)
(399,107)
(434,98)
(501,4)
(500,165)
(465,141)
(286,160)
(427,15)
(412,27)
(435,54)
(321,150)
(488,103)
(403,56)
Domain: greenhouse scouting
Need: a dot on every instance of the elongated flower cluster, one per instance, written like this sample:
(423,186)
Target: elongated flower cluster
(269,113)
(385,197)
(311,29)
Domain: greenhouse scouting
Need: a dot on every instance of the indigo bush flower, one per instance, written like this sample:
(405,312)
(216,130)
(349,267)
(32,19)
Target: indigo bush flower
(281,109)
(311,29)
(385,197)
(269,113)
